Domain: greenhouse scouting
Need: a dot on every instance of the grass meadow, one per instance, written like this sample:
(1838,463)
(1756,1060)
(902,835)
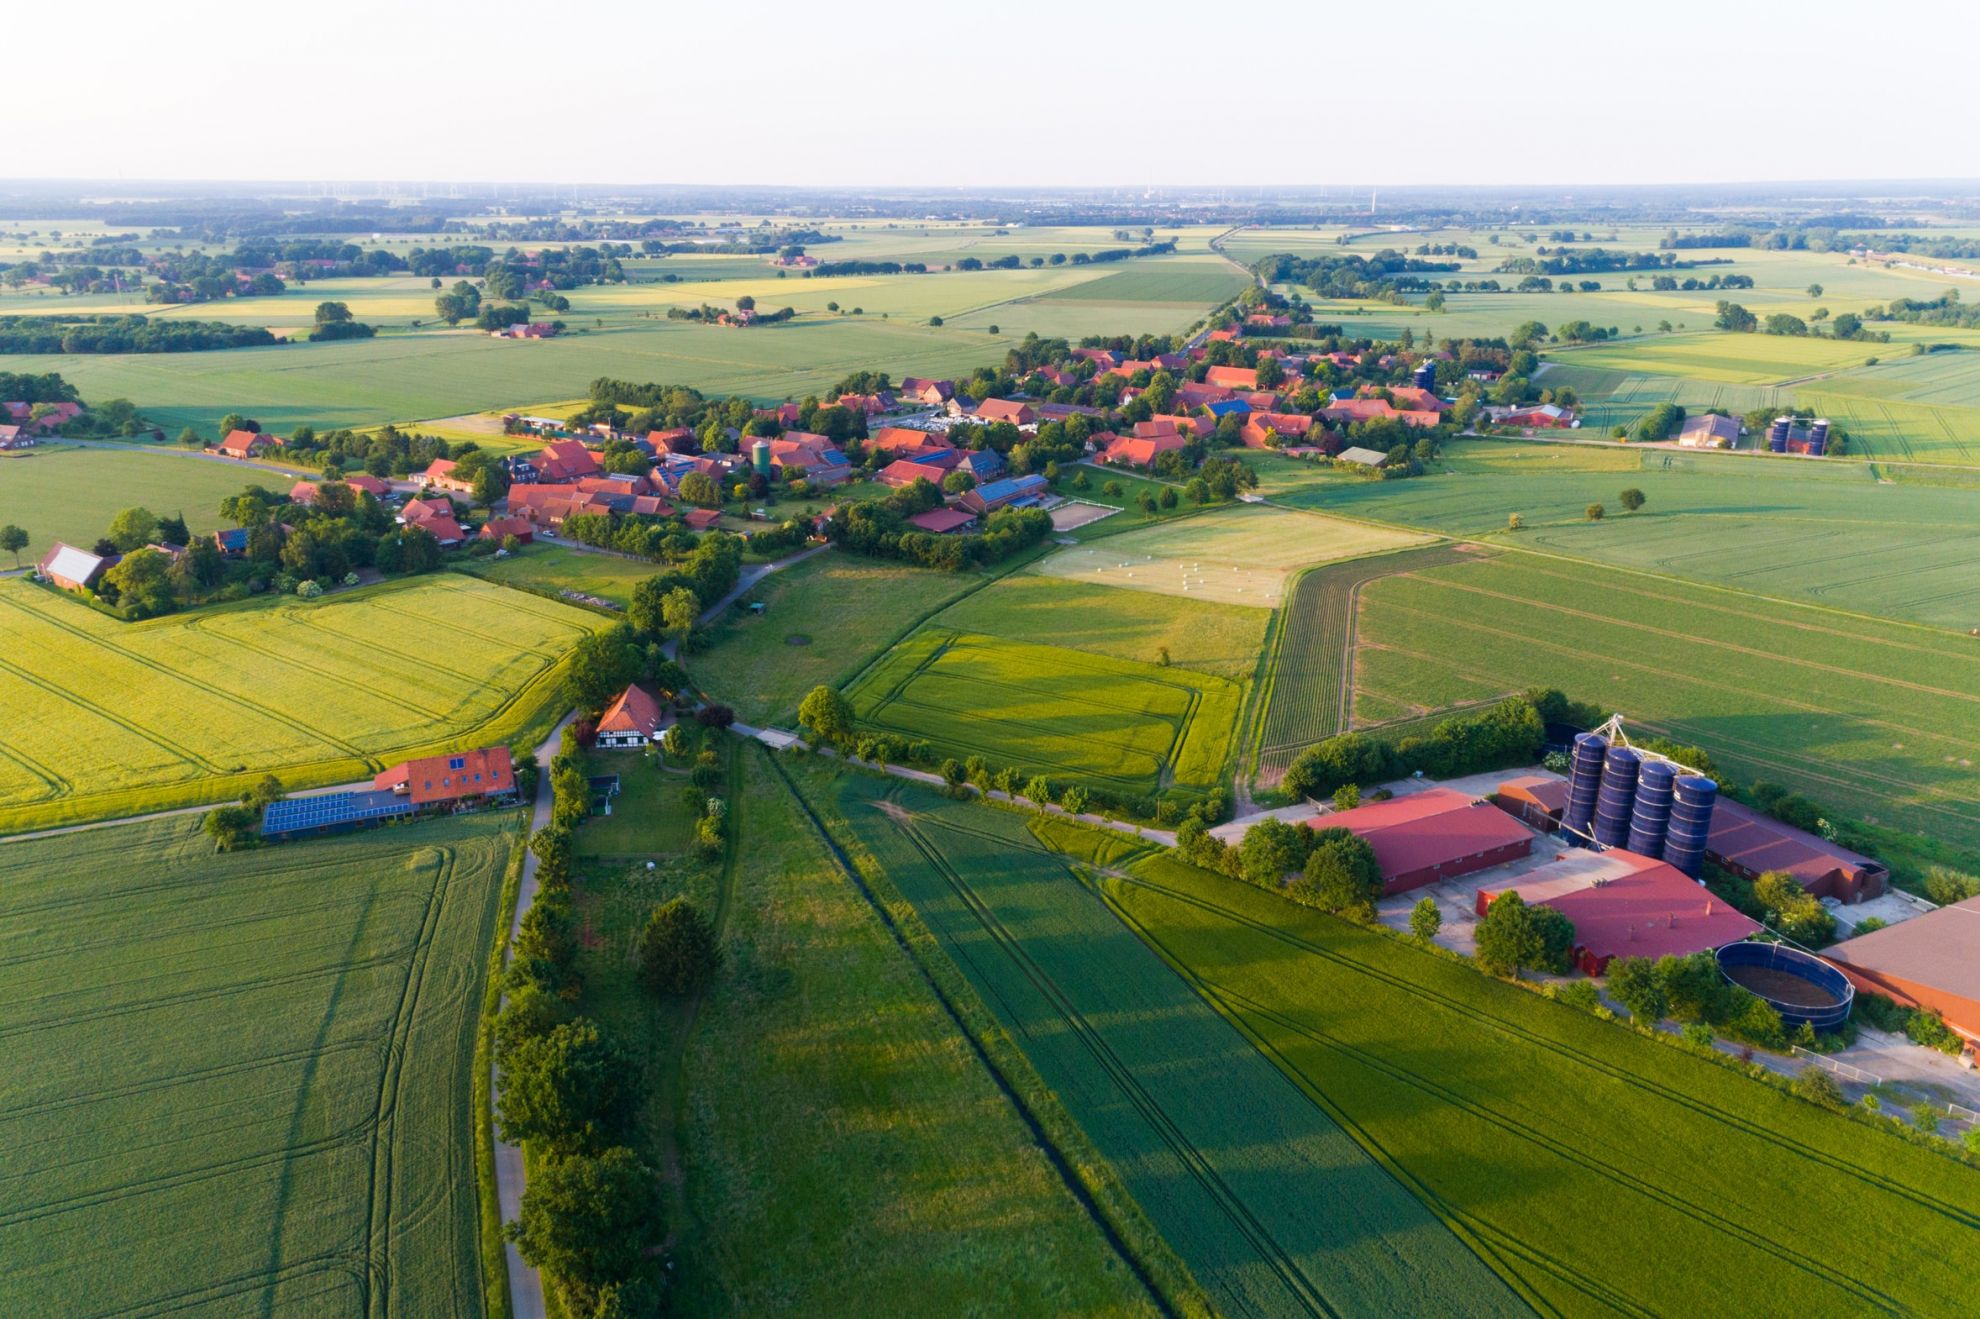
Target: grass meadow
(1599,1171)
(108,718)
(824,620)
(841,1139)
(247,1089)
(549,568)
(1270,1205)
(71,494)
(1874,717)
(1835,535)
(1135,729)
(1234,556)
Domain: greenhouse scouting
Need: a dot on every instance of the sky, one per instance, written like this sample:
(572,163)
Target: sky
(1016,93)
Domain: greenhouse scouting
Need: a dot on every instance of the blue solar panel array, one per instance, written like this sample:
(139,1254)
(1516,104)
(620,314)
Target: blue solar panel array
(330,810)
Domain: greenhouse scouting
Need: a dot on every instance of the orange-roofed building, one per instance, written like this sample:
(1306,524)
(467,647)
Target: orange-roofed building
(459,779)
(1231,377)
(633,720)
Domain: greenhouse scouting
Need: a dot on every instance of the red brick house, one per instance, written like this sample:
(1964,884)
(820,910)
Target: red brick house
(500,529)
(73,569)
(245,444)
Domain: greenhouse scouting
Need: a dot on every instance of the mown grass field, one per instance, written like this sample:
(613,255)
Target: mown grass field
(550,567)
(246,1091)
(1834,534)
(1131,728)
(874,1155)
(1271,1206)
(648,818)
(1873,718)
(1237,556)
(107,718)
(1599,1171)
(71,494)
(1198,633)
(1307,693)
(825,619)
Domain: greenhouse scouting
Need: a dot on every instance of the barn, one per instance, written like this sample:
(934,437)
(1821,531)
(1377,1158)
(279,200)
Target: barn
(1537,799)
(1750,844)
(1424,837)
(1635,907)
(1930,961)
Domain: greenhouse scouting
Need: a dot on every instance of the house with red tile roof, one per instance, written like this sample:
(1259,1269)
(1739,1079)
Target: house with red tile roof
(1262,320)
(900,442)
(1224,336)
(567,460)
(445,530)
(1344,411)
(784,414)
(634,719)
(245,444)
(303,493)
(904,472)
(932,393)
(1261,429)
(1002,409)
(1231,377)
(1410,398)
(701,519)
(57,414)
(1104,358)
(500,529)
(1197,394)
(1163,422)
(943,521)
(451,780)
(422,510)
(440,474)
(376,487)
(816,458)
(868,405)
(679,439)
(1140,451)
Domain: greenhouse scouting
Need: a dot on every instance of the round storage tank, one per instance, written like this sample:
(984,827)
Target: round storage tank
(1617,800)
(1691,823)
(759,457)
(1656,781)
(1799,986)
(1584,780)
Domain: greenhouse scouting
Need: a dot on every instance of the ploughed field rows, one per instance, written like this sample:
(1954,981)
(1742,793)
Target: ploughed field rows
(239,1084)
(1270,1205)
(1309,695)
(1135,729)
(1599,1171)
(105,717)
(1874,718)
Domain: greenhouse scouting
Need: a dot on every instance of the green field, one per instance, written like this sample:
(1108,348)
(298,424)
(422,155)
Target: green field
(1238,556)
(874,1156)
(1272,1207)
(825,619)
(239,1084)
(647,817)
(1834,534)
(1134,729)
(1307,692)
(107,718)
(1599,1171)
(71,494)
(548,567)
(1198,633)
(1878,719)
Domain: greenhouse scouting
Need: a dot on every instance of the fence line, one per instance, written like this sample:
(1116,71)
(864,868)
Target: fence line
(1966,1113)
(1841,1069)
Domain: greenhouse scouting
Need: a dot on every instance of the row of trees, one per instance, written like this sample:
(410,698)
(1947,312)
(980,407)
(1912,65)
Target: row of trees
(123,334)
(1510,733)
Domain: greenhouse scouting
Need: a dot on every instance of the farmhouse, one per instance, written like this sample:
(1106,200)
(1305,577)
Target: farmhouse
(440,474)
(500,529)
(1231,377)
(1000,409)
(53,415)
(1261,428)
(420,510)
(566,460)
(933,393)
(1012,492)
(1542,416)
(376,487)
(633,720)
(900,442)
(943,521)
(702,519)
(1750,844)
(246,444)
(232,542)
(454,780)
(1137,450)
(1709,431)
(1195,395)
(1344,411)
(816,458)
(904,472)
(1638,907)
(1424,837)
(73,569)
(15,437)
(1929,961)
(866,405)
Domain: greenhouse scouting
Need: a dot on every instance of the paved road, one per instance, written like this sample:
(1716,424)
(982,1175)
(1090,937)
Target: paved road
(525,1284)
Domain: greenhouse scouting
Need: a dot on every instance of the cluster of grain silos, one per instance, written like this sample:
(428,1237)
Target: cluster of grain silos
(1785,436)
(1425,376)
(1621,797)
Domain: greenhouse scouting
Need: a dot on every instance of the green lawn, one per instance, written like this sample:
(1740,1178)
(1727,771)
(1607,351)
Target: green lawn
(1599,1171)
(826,619)
(1877,720)
(841,1139)
(548,566)
(649,817)
(1131,625)
(240,1083)
(1271,1206)
(71,494)
(108,718)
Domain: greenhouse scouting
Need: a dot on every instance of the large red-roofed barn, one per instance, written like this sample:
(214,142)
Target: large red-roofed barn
(1650,909)
(1930,961)
(1750,844)
(1424,837)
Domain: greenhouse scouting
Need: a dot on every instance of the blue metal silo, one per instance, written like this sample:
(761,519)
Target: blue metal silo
(1777,434)
(1584,780)
(1654,785)
(1617,800)
(1691,823)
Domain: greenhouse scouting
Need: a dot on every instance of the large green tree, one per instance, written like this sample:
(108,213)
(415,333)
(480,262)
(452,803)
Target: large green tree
(570,1089)
(589,1220)
(827,713)
(603,665)
(678,951)
(13,540)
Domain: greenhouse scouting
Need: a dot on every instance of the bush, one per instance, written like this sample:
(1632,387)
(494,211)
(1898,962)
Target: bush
(1425,920)
(1341,876)
(1580,994)
(1946,886)
(1634,983)
(1818,1086)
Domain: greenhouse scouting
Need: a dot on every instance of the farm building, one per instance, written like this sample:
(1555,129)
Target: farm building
(999,409)
(1261,428)
(376,487)
(1231,377)
(467,777)
(246,444)
(903,472)
(1637,908)
(440,474)
(1750,844)
(500,529)
(816,458)
(1364,457)
(22,415)
(1537,799)
(1195,395)
(1544,416)
(701,519)
(566,460)
(232,542)
(633,720)
(1437,834)
(932,393)
(1140,451)
(73,569)
(1792,435)
(1709,431)
(1930,961)
(942,521)
(1012,492)
(901,442)
(332,812)
(15,437)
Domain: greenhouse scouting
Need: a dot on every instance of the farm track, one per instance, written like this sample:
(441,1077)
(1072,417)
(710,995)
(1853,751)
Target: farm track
(1300,1288)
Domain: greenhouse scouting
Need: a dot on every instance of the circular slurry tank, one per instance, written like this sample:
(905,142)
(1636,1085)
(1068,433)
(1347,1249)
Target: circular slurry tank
(1799,986)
